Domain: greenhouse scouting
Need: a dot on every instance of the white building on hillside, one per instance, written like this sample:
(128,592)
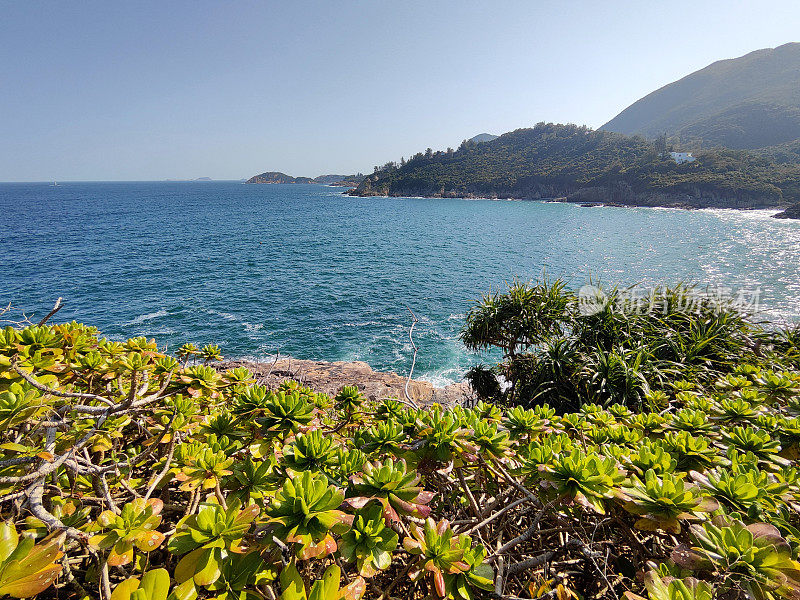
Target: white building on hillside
(682,157)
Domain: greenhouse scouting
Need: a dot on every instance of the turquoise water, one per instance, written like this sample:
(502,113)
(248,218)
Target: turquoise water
(311,273)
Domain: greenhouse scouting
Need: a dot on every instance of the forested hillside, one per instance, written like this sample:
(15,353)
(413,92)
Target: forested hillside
(579,164)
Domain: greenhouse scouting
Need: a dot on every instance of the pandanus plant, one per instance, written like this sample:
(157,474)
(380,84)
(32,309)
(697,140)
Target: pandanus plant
(391,484)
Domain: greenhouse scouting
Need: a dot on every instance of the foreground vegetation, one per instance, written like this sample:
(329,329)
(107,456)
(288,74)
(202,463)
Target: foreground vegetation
(127,473)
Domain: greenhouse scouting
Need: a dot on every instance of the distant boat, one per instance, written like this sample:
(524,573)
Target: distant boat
(55,183)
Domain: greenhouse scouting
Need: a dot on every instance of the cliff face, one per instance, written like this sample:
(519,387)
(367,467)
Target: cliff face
(277,177)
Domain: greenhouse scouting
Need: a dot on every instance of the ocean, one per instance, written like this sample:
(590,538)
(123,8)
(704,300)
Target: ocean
(308,272)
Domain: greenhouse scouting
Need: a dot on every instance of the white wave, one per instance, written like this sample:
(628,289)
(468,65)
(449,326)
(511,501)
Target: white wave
(442,378)
(224,315)
(147,317)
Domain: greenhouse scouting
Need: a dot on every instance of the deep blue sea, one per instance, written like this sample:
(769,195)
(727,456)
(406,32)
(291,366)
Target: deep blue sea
(306,271)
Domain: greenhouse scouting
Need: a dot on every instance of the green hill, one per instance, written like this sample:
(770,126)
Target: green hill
(277,177)
(581,165)
(746,102)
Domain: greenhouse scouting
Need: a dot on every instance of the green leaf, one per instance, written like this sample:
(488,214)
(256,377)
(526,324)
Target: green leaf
(292,584)
(155,583)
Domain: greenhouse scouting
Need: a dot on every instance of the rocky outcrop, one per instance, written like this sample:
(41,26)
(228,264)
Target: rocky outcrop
(793,212)
(330,377)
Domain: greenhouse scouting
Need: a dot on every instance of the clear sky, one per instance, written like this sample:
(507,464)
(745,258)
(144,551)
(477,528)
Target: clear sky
(114,90)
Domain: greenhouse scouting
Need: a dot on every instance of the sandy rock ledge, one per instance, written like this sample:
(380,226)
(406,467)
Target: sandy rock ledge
(330,377)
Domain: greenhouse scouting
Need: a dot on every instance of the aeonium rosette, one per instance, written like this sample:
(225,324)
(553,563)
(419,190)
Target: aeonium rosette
(391,484)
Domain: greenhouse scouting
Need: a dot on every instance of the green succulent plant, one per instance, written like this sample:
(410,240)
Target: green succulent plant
(349,399)
(742,489)
(488,439)
(205,540)
(384,437)
(692,420)
(369,542)
(651,456)
(135,526)
(445,437)
(391,484)
(778,386)
(690,452)
(477,575)
(734,410)
(648,423)
(19,403)
(27,568)
(586,479)
(754,557)
(327,588)
(671,588)
(348,462)
(222,424)
(662,502)
(310,451)
(200,380)
(522,423)
(153,585)
(282,413)
(757,441)
(439,553)
(203,467)
(210,353)
(254,479)
(306,512)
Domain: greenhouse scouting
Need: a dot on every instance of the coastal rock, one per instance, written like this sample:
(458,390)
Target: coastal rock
(793,212)
(330,377)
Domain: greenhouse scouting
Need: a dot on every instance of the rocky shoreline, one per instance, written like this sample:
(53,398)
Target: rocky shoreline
(590,198)
(330,377)
(793,212)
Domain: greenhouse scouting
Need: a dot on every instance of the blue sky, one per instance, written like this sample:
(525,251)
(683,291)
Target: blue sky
(226,89)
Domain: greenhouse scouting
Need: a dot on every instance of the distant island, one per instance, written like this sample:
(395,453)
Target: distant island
(276,177)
